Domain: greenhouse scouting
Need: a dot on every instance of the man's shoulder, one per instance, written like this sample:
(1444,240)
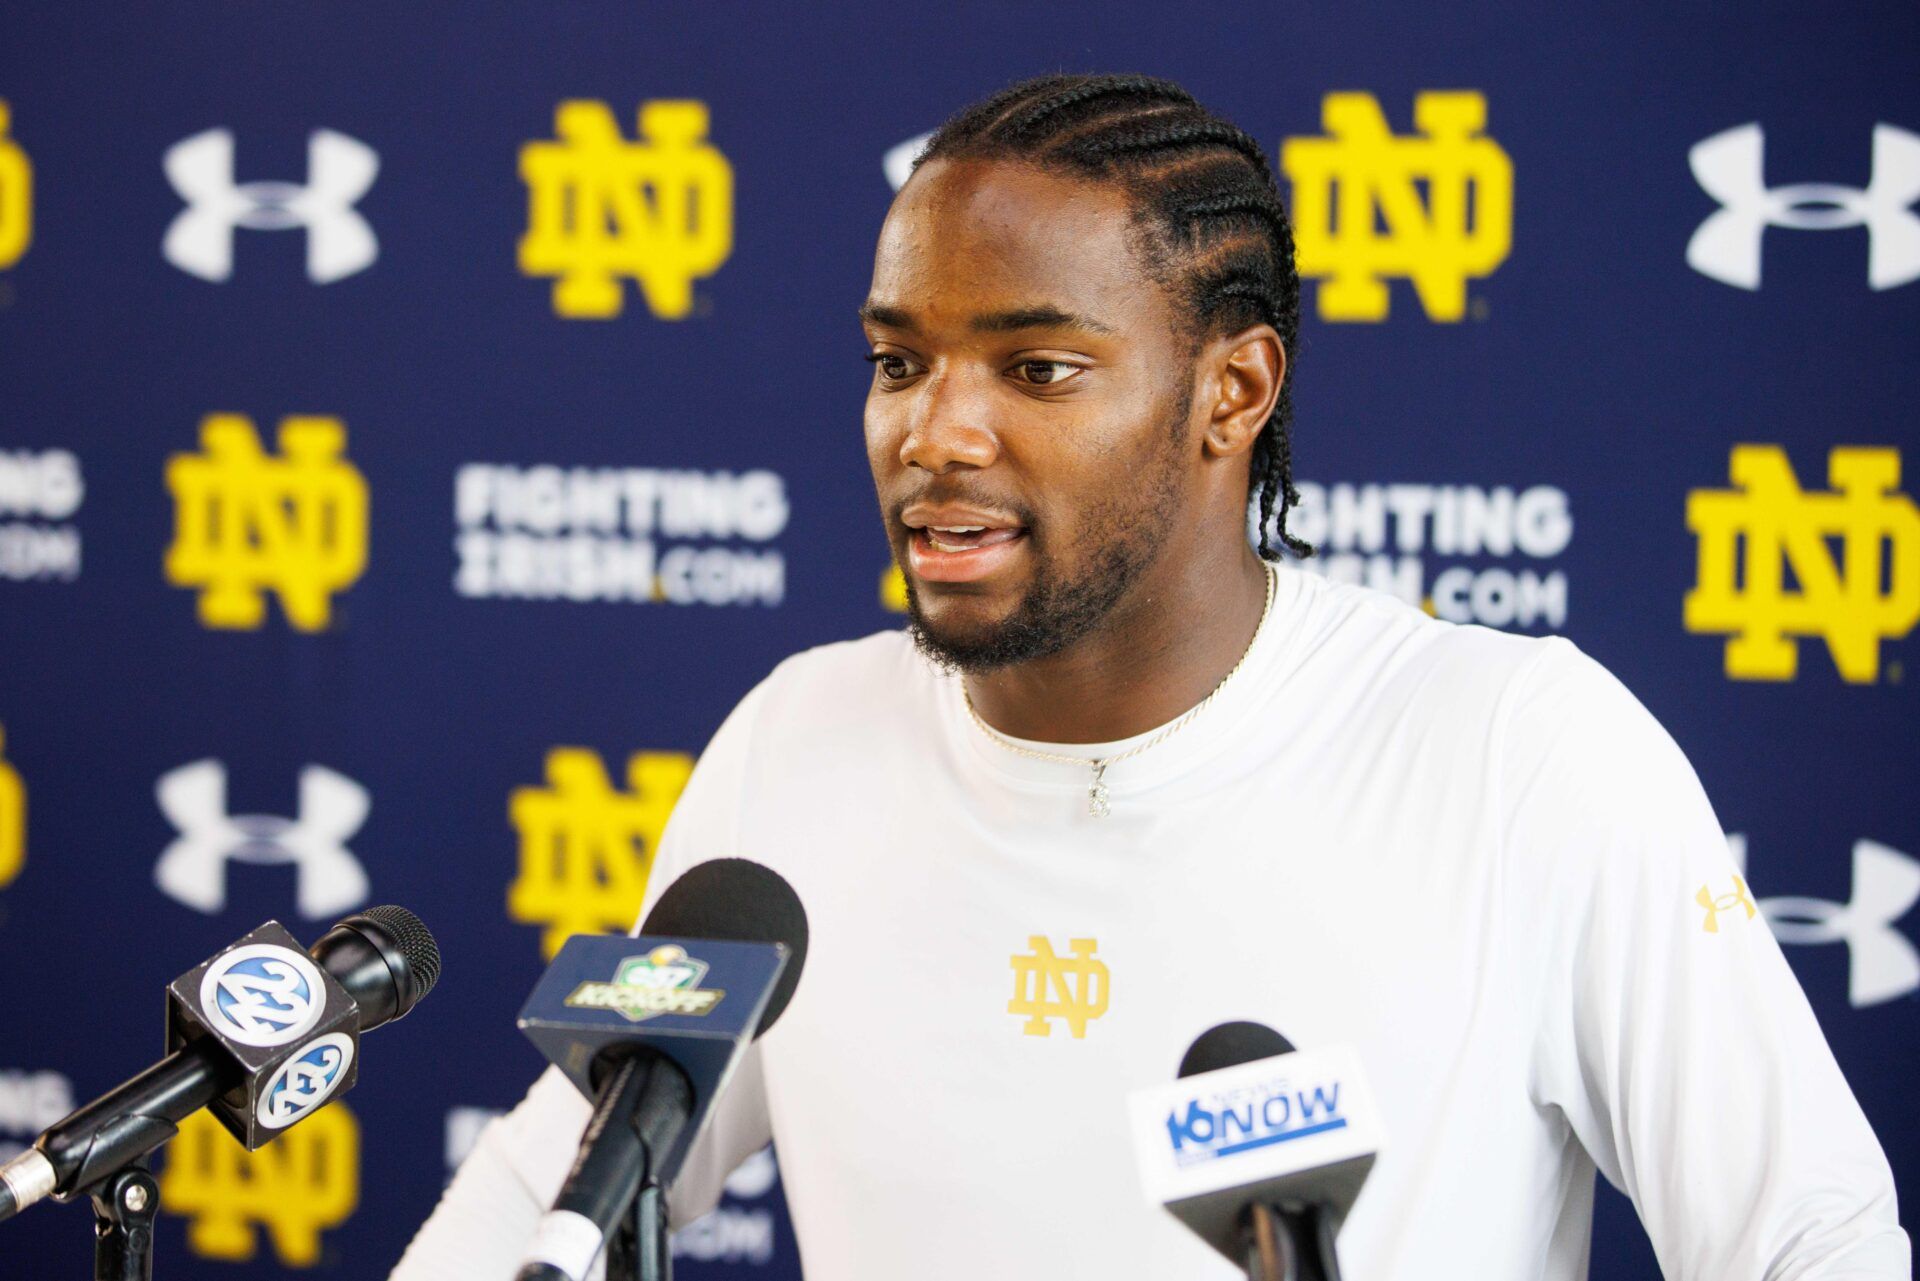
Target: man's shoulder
(855,680)
(1385,648)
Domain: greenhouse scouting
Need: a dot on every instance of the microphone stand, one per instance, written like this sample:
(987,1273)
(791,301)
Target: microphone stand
(124,1208)
(1289,1243)
(639,1250)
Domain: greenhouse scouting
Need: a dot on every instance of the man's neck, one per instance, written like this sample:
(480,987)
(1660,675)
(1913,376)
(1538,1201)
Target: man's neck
(1166,647)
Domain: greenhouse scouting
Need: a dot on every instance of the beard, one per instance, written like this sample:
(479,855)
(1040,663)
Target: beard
(1062,605)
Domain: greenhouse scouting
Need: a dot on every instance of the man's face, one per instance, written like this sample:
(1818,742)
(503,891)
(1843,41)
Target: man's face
(1028,419)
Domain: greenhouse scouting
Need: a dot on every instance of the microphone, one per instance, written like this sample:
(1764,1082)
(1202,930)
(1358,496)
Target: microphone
(263,1032)
(650,1028)
(1259,1149)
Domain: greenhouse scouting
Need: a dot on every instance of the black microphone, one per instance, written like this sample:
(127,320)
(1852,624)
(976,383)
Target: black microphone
(1258,1149)
(268,1028)
(654,1082)
(1229,1045)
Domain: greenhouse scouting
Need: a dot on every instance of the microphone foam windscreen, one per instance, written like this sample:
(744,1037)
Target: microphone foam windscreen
(738,900)
(1230,1045)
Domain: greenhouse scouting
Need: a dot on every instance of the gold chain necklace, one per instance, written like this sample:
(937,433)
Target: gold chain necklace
(1098,803)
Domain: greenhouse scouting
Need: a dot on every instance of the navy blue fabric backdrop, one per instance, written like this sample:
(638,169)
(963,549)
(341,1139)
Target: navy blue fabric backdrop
(420,424)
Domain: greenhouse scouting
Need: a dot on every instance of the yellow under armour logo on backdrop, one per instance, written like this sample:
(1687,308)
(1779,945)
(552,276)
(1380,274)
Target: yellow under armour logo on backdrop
(585,848)
(247,522)
(13,817)
(1048,986)
(1445,199)
(301,1183)
(659,209)
(1868,593)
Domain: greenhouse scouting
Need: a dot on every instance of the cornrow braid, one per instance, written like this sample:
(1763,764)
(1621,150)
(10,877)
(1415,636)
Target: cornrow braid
(1031,115)
(1217,226)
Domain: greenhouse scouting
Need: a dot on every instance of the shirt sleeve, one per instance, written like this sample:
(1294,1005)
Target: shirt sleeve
(489,1212)
(1674,1039)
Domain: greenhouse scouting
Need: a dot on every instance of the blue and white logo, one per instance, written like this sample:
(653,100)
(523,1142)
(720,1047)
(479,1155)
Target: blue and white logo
(1278,1110)
(305,1081)
(262,994)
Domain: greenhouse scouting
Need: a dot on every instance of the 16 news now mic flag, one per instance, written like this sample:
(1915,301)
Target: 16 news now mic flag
(392,502)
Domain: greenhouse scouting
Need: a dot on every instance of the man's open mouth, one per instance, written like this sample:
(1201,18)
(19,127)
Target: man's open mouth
(965,538)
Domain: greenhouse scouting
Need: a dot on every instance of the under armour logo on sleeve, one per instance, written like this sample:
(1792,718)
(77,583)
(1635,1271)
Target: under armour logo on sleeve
(340,169)
(1715,904)
(1731,167)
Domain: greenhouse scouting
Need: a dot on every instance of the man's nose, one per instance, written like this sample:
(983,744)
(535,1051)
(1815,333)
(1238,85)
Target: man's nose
(950,426)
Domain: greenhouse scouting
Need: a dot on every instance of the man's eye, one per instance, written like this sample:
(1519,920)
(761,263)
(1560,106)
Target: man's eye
(891,366)
(1048,372)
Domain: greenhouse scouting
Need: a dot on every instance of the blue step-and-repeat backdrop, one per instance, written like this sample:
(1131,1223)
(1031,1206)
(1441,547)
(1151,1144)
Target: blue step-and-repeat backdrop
(420,423)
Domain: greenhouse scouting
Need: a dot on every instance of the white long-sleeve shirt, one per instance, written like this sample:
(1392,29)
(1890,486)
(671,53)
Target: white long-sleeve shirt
(1473,856)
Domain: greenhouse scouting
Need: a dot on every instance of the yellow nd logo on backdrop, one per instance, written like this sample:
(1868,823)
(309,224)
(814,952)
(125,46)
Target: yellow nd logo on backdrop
(586,849)
(247,522)
(1869,593)
(302,1183)
(1461,229)
(658,210)
(16,194)
(13,817)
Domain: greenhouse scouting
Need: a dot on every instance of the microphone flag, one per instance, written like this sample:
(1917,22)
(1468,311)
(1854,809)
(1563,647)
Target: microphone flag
(1293,1127)
(696,1002)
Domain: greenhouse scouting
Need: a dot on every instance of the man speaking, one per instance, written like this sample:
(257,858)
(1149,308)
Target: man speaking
(1128,777)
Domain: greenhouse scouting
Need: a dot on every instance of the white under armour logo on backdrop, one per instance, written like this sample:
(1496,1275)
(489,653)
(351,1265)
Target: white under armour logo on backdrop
(1882,962)
(339,171)
(193,870)
(898,162)
(1731,167)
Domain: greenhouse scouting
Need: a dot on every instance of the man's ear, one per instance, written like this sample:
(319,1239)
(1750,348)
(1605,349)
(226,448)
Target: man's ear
(1243,374)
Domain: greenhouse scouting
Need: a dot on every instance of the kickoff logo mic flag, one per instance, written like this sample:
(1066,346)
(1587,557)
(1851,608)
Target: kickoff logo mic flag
(696,1002)
(1297,1127)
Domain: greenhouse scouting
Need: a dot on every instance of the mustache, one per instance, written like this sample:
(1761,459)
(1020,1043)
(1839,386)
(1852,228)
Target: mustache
(960,495)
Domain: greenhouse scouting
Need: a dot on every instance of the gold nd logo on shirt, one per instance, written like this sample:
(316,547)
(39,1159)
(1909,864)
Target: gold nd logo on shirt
(659,209)
(1869,592)
(585,848)
(13,817)
(16,195)
(1445,199)
(1049,986)
(247,522)
(303,1182)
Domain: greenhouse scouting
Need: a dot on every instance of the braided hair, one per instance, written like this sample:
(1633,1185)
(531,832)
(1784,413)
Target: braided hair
(1215,227)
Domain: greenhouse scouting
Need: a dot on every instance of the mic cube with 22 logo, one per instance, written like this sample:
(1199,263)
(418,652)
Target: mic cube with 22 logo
(289,1024)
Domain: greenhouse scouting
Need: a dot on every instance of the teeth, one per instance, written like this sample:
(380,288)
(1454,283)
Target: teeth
(958,529)
(933,537)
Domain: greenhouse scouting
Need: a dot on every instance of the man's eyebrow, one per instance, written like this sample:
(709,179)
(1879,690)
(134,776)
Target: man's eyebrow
(997,322)
(879,313)
(1042,317)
